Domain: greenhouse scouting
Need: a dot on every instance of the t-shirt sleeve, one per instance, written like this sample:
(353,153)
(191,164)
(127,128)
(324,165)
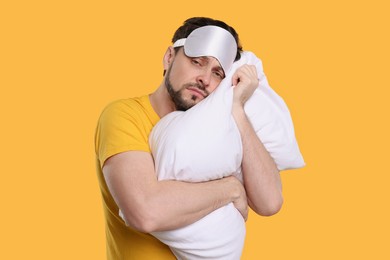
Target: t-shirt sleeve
(119,129)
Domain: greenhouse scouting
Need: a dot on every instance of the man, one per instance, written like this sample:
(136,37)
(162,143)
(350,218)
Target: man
(126,168)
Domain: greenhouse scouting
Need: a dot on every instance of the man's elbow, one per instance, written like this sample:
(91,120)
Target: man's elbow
(271,208)
(141,221)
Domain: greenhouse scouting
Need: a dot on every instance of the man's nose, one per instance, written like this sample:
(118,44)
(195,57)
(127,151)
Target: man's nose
(204,78)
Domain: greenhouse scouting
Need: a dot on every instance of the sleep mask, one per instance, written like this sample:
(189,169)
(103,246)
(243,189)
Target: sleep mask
(211,41)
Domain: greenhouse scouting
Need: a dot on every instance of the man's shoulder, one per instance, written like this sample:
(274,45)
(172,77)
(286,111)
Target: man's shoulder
(136,110)
(123,125)
(135,106)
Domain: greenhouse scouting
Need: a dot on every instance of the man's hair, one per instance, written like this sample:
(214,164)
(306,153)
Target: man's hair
(193,23)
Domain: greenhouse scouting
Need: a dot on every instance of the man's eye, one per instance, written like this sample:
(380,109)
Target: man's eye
(218,74)
(195,62)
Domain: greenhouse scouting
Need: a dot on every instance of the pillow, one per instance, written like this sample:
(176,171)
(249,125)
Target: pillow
(204,143)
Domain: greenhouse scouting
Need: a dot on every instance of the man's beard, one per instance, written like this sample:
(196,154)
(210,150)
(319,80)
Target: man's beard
(176,95)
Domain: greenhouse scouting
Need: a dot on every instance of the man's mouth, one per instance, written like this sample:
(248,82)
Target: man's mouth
(198,92)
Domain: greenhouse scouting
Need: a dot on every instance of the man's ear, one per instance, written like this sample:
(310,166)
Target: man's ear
(168,57)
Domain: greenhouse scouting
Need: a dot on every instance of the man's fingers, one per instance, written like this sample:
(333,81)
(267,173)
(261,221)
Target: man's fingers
(246,74)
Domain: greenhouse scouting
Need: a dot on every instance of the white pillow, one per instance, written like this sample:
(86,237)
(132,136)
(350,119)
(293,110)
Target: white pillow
(204,143)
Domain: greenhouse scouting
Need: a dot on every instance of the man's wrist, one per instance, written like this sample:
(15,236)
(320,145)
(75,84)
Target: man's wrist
(238,110)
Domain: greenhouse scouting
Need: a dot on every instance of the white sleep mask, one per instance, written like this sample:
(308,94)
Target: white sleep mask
(211,41)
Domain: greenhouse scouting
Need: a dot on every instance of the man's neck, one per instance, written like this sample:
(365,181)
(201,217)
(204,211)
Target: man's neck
(161,101)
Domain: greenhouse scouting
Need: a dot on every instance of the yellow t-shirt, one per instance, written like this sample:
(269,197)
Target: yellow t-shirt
(124,125)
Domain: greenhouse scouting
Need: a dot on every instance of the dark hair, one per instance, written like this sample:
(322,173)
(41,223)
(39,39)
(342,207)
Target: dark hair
(193,23)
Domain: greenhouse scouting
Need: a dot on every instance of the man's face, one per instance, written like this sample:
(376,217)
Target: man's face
(190,80)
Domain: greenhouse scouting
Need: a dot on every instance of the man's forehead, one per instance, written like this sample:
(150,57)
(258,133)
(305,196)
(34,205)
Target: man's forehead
(210,41)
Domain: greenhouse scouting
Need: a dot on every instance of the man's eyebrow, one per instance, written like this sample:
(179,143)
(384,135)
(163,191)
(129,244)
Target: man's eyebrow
(204,58)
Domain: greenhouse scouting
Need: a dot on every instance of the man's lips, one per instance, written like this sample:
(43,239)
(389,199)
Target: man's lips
(197,91)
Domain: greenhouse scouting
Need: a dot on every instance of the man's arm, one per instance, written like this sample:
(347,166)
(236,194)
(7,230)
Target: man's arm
(261,176)
(150,205)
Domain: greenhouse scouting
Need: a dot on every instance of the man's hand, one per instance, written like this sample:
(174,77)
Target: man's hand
(240,199)
(245,81)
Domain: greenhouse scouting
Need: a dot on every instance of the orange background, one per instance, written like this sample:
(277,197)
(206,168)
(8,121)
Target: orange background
(61,62)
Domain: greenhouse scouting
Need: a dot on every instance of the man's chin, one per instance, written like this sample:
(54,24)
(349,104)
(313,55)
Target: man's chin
(195,100)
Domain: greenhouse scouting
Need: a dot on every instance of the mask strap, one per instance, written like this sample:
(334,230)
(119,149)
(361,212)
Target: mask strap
(179,42)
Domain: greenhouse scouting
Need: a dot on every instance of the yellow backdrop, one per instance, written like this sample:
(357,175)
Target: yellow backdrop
(63,61)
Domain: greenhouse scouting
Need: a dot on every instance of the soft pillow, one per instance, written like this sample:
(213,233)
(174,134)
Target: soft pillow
(204,143)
